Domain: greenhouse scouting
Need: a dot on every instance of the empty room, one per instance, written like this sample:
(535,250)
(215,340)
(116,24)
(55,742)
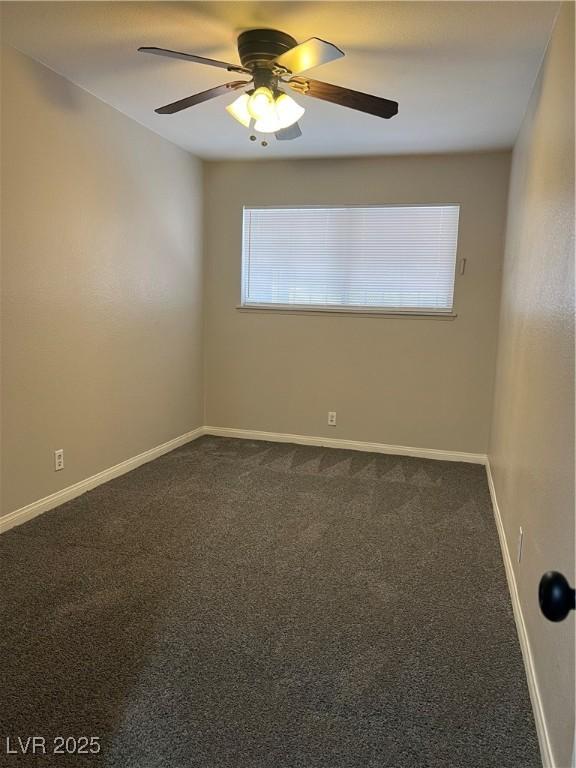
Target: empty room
(287,385)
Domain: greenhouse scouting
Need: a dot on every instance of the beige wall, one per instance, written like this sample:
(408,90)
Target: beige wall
(532,442)
(101,270)
(424,383)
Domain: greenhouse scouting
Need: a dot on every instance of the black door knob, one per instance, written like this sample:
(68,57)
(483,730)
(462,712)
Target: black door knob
(556,596)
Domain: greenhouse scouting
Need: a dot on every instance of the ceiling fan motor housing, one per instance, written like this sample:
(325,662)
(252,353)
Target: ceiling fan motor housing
(259,47)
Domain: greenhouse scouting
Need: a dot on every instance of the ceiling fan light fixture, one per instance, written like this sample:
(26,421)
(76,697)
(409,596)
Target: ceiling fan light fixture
(239,110)
(261,103)
(286,113)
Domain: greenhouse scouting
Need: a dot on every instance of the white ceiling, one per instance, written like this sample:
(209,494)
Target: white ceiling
(462,72)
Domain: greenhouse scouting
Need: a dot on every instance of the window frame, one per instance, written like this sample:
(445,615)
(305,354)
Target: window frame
(344,309)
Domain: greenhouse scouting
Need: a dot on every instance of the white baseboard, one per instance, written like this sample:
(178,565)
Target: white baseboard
(352,445)
(537,706)
(26,513)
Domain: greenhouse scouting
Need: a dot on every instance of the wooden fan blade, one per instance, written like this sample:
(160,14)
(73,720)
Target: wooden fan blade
(198,98)
(192,57)
(287,134)
(363,102)
(308,54)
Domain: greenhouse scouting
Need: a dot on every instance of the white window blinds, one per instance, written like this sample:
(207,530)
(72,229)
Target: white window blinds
(395,258)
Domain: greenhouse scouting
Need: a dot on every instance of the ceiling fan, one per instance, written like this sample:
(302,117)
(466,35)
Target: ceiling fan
(274,60)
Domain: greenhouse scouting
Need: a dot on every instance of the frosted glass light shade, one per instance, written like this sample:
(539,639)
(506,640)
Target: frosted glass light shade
(239,110)
(261,103)
(287,110)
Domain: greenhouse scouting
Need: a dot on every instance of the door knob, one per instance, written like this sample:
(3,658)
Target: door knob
(556,596)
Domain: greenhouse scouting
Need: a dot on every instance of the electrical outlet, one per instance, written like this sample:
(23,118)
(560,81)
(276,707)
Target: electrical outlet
(332,418)
(520,540)
(58,459)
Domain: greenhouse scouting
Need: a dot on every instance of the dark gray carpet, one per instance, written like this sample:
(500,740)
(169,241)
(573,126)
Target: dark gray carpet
(240,604)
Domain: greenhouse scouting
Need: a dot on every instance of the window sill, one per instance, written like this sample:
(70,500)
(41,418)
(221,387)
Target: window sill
(348,311)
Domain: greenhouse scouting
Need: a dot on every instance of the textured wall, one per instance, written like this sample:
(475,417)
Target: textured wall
(417,382)
(101,272)
(532,443)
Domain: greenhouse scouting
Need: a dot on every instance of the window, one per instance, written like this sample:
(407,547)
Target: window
(397,258)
